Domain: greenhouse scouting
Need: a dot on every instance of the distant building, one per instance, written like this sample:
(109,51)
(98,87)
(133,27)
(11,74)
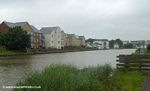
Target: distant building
(73,40)
(53,37)
(139,43)
(82,40)
(35,33)
(125,42)
(147,42)
(98,43)
(116,46)
(63,39)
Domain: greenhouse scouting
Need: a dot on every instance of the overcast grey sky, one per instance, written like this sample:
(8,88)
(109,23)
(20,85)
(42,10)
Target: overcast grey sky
(110,19)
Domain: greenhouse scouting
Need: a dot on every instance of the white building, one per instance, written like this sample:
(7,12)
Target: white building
(53,37)
(101,43)
(125,42)
(116,46)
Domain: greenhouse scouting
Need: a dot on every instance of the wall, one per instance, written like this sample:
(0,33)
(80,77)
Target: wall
(53,40)
(3,27)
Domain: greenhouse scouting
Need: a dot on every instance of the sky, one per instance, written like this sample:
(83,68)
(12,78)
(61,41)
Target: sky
(101,19)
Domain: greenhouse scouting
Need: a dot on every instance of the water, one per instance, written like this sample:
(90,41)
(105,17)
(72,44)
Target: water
(14,68)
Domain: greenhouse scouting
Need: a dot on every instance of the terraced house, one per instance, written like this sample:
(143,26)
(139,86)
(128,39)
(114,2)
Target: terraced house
(35,33)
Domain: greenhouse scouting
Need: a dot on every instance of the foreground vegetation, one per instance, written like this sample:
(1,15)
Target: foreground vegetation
(69,78)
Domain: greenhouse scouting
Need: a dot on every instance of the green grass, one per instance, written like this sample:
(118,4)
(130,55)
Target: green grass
(3,51)
(129,81)
(69,78)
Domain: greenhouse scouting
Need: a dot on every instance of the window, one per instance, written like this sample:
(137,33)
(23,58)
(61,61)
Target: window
(58,42)
(51,41)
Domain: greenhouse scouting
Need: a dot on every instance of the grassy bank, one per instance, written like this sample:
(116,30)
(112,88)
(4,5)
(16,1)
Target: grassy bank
(69,78)
(3,51)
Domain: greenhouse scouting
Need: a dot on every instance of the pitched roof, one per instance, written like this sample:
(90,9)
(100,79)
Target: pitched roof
(70,35)
(100,39)
(81,37)
(17,24)
(48,29)
(34,29)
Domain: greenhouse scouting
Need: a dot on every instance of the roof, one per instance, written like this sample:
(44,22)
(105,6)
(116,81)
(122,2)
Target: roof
(70,35)
(100,39)
(17,24)
(81,37)
(34,29)
(48,29)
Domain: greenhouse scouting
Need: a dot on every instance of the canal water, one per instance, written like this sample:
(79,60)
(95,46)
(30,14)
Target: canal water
(14,68)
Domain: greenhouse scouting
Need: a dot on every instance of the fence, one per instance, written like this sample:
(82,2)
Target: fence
(133,62)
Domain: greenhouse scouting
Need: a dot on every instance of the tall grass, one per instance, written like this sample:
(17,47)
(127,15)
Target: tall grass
(69,78)
(66,78)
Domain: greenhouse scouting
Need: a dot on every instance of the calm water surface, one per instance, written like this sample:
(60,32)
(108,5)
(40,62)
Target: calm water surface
(14,68)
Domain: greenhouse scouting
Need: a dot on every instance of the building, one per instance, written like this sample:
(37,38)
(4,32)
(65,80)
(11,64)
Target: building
(98,43)
(5,26)
(101,43)
(147,42)
(125,42)
(116,46)
(63,39)
(35,33)
(82,40)
(36,38)
(53,38)
(138,43)
(73,40)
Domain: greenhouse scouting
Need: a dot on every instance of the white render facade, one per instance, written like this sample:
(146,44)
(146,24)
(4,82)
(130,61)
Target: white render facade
(53,37)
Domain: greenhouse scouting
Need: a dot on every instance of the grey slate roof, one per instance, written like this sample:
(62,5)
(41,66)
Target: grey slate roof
(9,24)
(48,29)
(70,35)
(101,40)
(34,29)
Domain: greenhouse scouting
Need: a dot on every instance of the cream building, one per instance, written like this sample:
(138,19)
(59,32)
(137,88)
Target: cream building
(73,40)
(53,37)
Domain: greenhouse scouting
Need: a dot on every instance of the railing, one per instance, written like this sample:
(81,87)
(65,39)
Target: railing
(133,62)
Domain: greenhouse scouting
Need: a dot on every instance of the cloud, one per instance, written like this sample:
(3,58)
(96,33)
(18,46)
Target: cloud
(125,19)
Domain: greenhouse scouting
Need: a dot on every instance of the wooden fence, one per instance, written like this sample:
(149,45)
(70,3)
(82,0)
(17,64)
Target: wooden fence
(133,62)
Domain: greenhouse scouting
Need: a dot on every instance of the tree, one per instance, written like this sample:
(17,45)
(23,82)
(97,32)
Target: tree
(2,35)
(90,40)
(111,43)
(118,41)
(148,47)
(16,39)
(129,45)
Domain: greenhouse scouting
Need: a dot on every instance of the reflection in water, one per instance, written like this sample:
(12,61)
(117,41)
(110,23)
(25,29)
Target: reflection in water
(13,68)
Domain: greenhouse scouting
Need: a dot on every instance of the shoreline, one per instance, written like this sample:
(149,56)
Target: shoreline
(50,52)
(46,52)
